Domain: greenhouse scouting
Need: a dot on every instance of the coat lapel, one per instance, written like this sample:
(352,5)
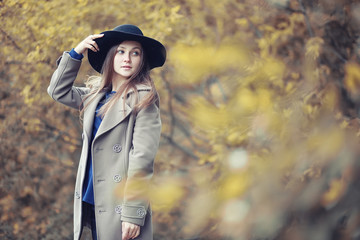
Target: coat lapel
(115,115)
(89,115)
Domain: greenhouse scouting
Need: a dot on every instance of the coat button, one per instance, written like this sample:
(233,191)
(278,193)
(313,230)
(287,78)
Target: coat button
(118,209)
(141,212)
(77,195)
(117,148)
(117,178)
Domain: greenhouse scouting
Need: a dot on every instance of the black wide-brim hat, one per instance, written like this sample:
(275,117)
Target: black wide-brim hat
(155,51)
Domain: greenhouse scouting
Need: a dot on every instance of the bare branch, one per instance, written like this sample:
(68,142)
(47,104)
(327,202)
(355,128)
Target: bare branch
(303,10)
(11,39)
(178,146)
(169,103)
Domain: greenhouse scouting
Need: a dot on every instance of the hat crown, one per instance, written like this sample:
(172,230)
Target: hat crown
(128,28)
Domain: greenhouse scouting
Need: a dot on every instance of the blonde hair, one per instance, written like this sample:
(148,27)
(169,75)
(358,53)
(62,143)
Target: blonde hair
(98,84)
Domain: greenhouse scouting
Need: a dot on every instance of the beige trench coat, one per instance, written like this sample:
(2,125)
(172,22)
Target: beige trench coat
(122,151)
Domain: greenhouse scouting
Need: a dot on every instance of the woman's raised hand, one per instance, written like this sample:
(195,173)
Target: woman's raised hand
(88,43)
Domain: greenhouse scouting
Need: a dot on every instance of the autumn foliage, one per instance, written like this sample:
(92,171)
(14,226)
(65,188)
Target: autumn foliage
(260,103)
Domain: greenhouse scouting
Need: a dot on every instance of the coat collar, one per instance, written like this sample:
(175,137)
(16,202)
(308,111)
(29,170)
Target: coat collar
(139,87)
(115,115)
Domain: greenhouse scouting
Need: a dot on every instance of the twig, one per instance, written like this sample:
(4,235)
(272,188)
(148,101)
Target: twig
(11,39)
(170,96)
(338,54)
(306,18)
(178,146)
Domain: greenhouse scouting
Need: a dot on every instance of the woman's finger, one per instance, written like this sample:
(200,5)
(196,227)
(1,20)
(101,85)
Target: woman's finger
(132,231)
(125,231)
(94,44)
(125,235)
(137,233)
(95,36)
(91,47)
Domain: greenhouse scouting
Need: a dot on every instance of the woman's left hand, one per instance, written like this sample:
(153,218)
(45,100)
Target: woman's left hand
(130,231)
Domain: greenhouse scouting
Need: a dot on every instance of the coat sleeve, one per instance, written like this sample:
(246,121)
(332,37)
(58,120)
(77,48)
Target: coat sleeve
(61,87)
(145,143)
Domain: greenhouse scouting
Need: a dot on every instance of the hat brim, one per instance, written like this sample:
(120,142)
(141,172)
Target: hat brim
(155,51)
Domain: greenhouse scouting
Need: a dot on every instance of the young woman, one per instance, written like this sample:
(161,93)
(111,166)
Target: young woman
(121,130)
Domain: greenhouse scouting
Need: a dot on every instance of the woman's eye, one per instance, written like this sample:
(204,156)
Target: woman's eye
(121,51)
(136,53)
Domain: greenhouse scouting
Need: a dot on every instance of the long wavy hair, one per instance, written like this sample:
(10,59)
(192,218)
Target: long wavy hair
(98,84)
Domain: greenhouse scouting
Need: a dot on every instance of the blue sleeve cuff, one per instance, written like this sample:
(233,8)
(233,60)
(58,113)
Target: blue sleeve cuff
(75,55)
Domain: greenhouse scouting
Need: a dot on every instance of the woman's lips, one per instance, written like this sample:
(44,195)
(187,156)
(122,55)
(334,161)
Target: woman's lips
(126,67)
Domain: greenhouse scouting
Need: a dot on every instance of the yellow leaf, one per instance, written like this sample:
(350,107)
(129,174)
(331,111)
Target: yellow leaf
(242,22)
(16,228)
(26,212)
(275,70)
(197,63)
(336,190)
(166,195)
(313,46)
(207,116)
(246,101)
(352,78)
(326,143)
(235,138)
(233,186)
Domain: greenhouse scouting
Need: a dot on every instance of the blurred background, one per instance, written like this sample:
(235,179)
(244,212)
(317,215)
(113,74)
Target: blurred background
(260,108)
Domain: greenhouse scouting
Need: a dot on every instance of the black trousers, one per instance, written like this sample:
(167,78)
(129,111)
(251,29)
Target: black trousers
(88,218)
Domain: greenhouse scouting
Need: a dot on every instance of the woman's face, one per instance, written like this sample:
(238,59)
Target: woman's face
(127,59)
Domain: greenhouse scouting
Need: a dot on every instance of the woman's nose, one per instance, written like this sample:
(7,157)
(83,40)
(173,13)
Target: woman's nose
(127,58)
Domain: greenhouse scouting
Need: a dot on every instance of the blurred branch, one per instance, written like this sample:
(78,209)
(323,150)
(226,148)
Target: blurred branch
(11,39)
(174,122)
(60,135)
(31,33)
(177,124)
(178,146)
(337,54)
(169,103)
(290,9)
(46,62)
(13,62)
(306,18)
(252,26)
(188,134)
